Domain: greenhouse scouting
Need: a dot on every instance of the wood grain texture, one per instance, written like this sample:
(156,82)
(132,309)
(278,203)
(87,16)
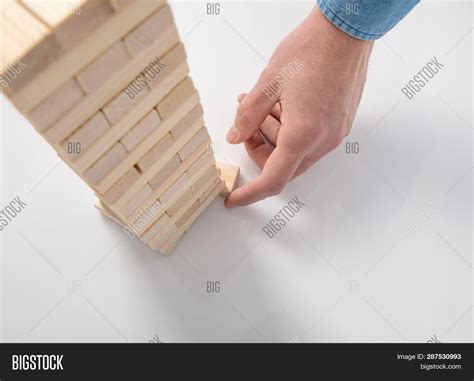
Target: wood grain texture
(119,188)
(172,165)
(105,164)
(149,30)
(103,68)
(141,130)
(175,98)
(88,49)
(200,137)
(116,109)
(85,136)
(56,105)
(137,201)
(90,16)
(174,75)
(155,153)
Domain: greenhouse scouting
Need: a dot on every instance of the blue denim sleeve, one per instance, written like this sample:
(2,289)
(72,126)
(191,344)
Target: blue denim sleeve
(365,19)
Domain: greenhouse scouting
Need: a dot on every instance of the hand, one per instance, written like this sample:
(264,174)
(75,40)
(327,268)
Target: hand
(304,104)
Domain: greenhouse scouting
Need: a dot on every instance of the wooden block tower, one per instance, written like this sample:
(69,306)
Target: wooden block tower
(106,83)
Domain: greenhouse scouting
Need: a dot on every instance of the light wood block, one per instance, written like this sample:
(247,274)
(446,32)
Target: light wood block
(155,168)
(186,216)
(137,201)
(175,98)
(56,105)
(180,202)
(105,164)
(141,130)
(103,68)
(106,211)
(167,246)
(175,175)
(160,224)
(144,147)
(211,173)
(202,161)
(24,30)
(92,14)
(84,53)
(163,237)
(147,32)
(119,188)
(155,153)
(118,5)
(200,137)
(164,173)
(184,124)
(85,136)
(230,176)
(121,105)
(174,76)
(207,192)
(142,220)
(52,12)
(177,188)
(33,63)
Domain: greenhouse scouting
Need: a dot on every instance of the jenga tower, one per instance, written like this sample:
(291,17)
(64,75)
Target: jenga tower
(106,83)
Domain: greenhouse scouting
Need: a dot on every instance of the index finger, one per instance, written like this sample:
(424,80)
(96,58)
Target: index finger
(277,172)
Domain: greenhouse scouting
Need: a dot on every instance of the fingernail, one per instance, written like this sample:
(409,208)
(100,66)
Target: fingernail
(233,135)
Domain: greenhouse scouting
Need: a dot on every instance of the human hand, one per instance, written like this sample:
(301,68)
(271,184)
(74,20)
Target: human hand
(304,103)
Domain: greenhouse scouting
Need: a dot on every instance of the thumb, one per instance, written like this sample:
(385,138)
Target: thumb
(253,110)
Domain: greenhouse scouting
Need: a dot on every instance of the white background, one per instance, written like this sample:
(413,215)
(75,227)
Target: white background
(342,270)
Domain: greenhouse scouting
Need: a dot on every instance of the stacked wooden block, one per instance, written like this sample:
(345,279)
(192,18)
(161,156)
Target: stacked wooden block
(107,86)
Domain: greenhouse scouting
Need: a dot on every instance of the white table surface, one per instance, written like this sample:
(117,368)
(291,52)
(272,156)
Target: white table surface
(342,270)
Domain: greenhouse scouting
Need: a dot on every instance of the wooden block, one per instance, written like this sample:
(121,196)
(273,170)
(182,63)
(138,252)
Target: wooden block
(148,31)
(157,166)
(178,204)
(137,201)
(85,136)
(203,160)
(118,5)
(148,235)
(56,105)
(119,188)
(163,237)
(175,98)
(230,176)
(33,63)
(91,15)
(52,12)
(196,140)
(85,52)
(155,153)
(20,28)
(186,216)
(105,164)
(141,130)
(211,173)
(171,239)
(106,211)
(96,100)
(165,172)
(208,191)
(103,68)
(116,109)
(173,189)
(184,124)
